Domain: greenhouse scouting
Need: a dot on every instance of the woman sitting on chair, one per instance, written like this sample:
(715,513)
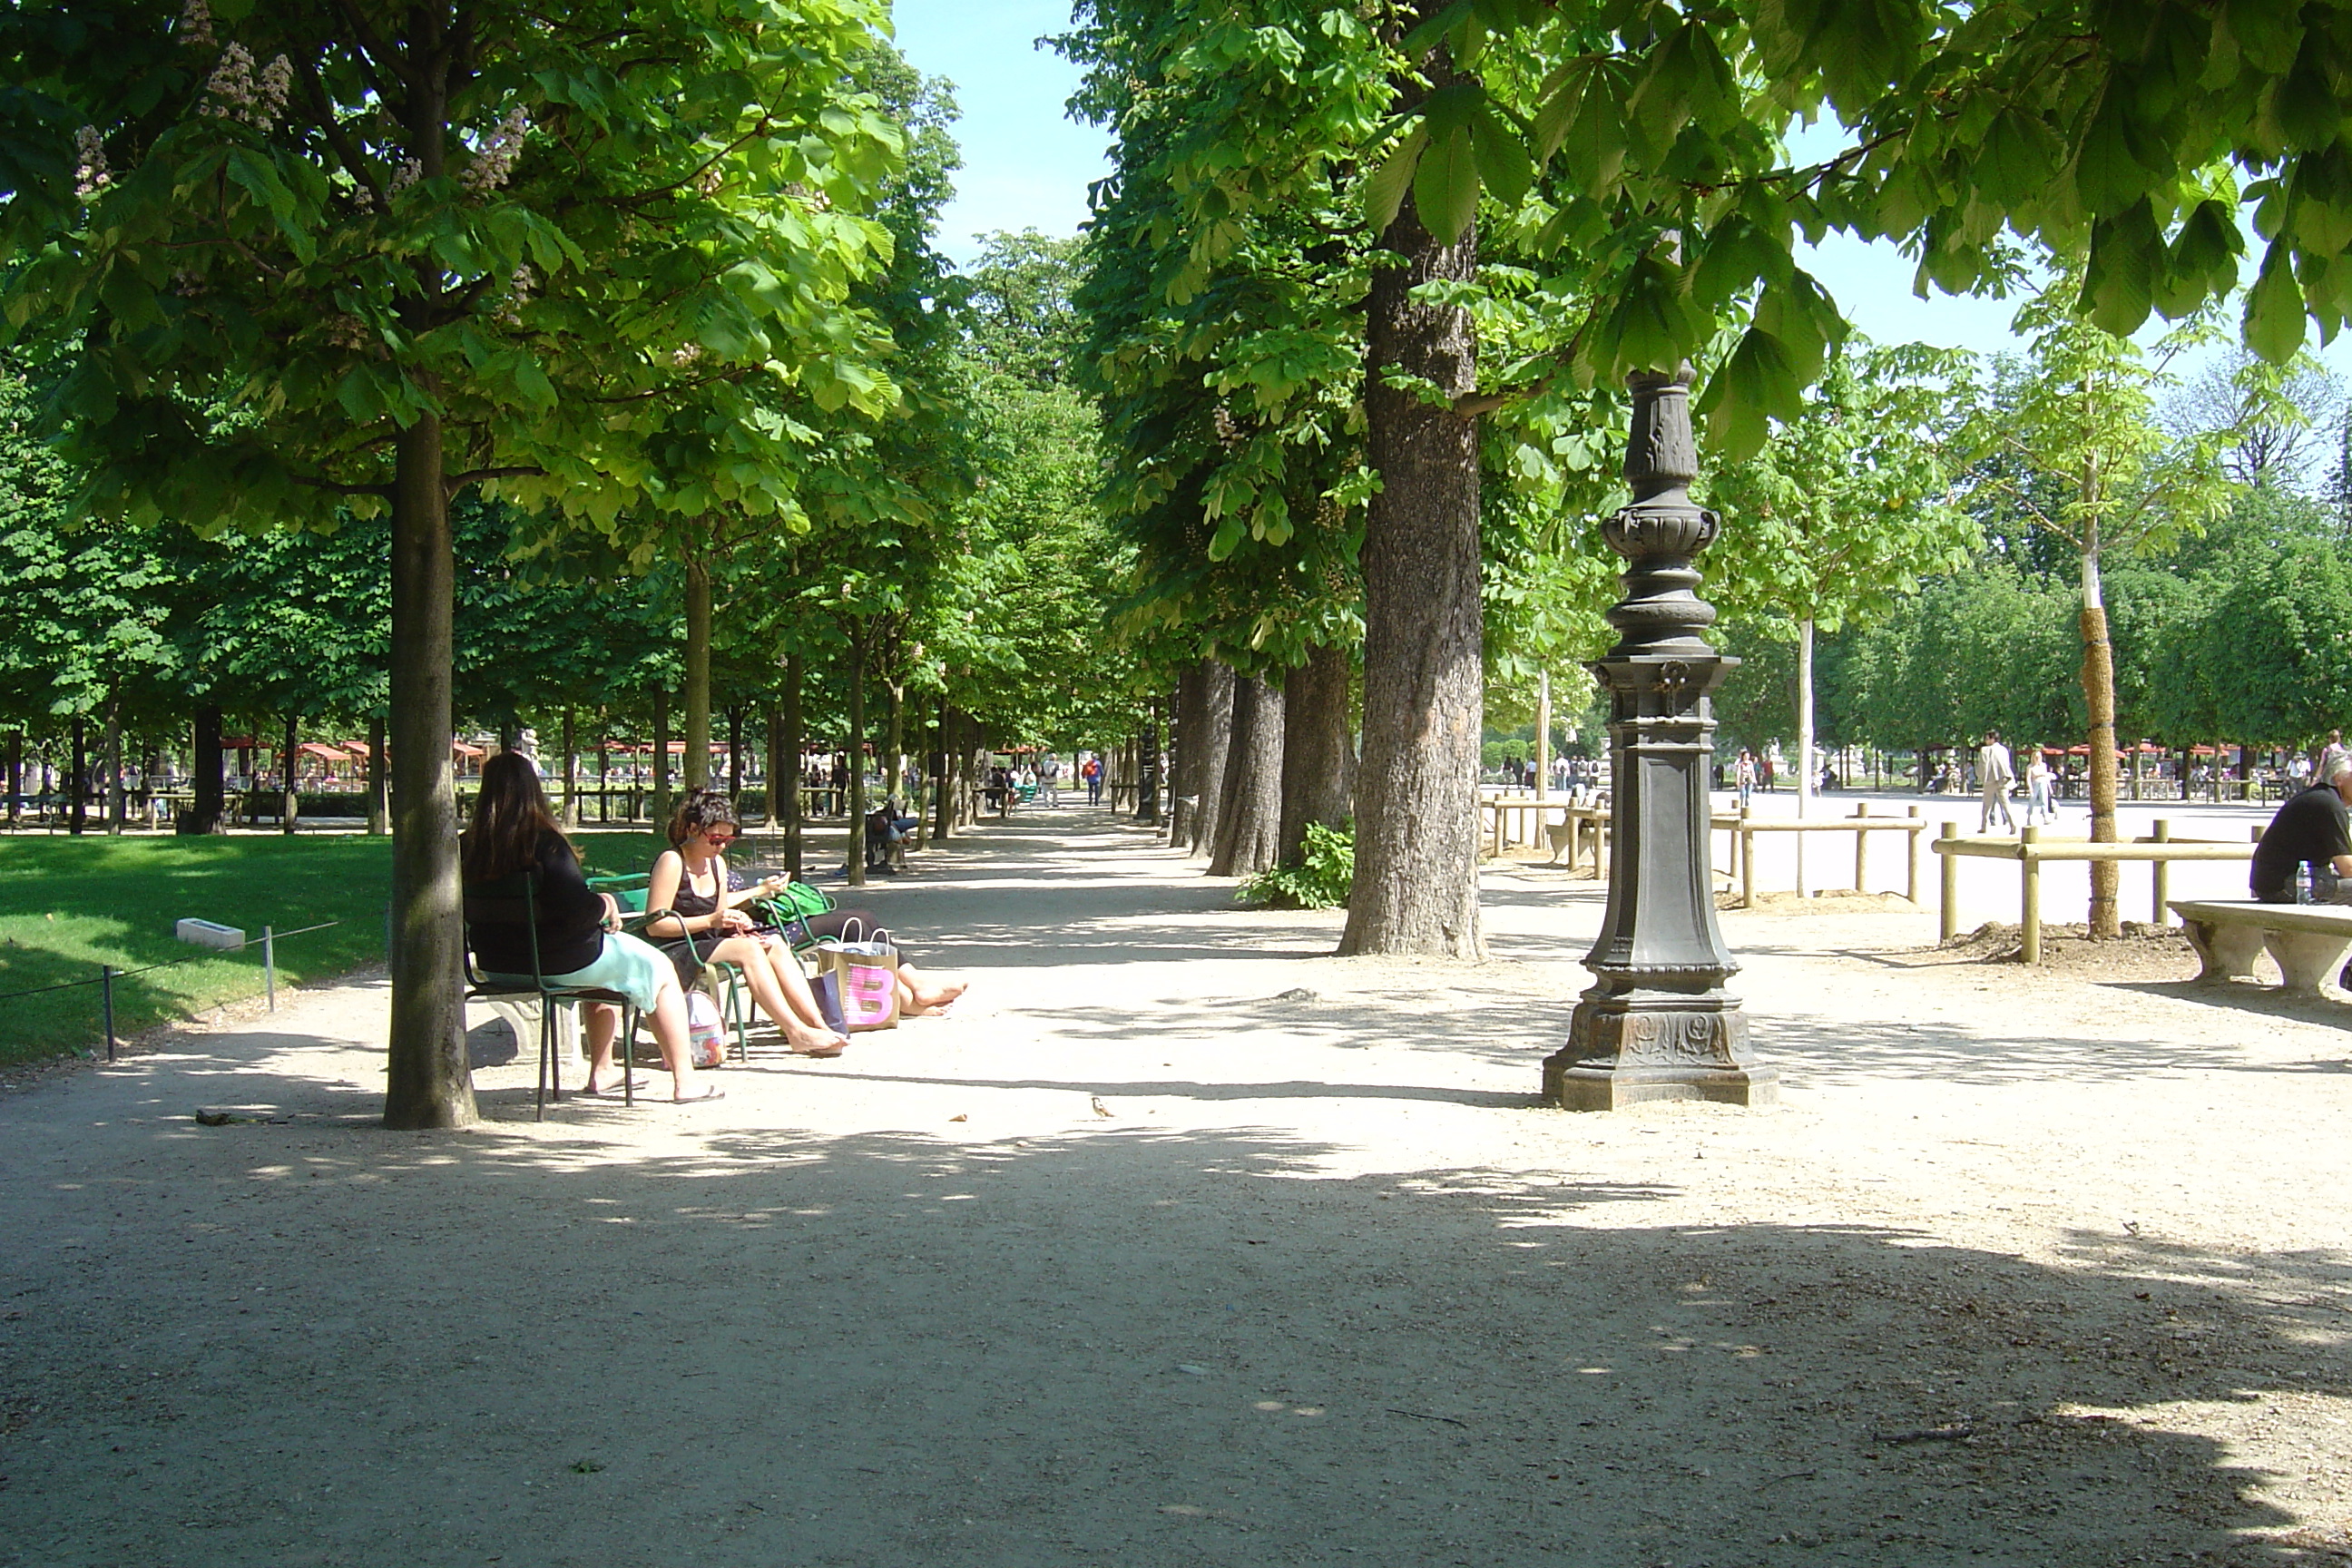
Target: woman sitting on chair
(701,924)
(579,942)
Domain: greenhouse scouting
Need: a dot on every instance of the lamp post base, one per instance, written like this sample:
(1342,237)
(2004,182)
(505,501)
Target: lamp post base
(1628,1048)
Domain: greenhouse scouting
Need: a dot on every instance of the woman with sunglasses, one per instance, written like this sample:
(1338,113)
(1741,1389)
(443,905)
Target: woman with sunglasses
(704,926)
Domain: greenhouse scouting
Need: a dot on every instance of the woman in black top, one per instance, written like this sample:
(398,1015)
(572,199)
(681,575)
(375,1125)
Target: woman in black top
(580,942)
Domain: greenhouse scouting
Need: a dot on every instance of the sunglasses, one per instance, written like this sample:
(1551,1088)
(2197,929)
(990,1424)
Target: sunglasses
(721,840)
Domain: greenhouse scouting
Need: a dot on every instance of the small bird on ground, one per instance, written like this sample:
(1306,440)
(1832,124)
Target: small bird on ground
(1100,1109)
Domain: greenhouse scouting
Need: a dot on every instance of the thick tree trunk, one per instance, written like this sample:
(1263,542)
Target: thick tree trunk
(205,812)
(2099,696)
(777,782)
(856,801)
(698,675)
(1316,753)
(1184,771)
(794,740)
(379,801)
(1416,888)
(427,1081)
(1216,744)
(16,775)
(893,746)
(1249,838)
(1148,761)
(661,801)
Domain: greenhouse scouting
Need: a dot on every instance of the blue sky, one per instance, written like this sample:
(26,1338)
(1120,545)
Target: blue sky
(1026,165)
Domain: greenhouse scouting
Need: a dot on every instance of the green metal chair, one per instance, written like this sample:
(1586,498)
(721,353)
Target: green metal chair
(514,901)
(733,998)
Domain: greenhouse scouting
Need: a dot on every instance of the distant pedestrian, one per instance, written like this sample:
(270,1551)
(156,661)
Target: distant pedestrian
(1995,775)
(2038,807)
(1743,774)
(2331,757)
(1091,771)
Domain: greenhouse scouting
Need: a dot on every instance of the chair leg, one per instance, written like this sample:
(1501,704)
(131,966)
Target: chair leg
(628,1056)
(546,1057)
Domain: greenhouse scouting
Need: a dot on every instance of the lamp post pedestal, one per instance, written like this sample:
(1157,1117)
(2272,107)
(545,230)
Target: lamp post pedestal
(1657,1022)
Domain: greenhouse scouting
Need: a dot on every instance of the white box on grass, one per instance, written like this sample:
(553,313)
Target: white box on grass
(210,933)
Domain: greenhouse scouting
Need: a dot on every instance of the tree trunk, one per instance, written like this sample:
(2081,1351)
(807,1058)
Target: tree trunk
(661,803)
(379,803)
(777,782)
(855,800)
(792,743)
(427,1082)
(943,806)
(698,675)
(1215,747)
(2099,696)
(735,752)
(1184,771)
(289,802)
(205,812)
(1416,888)
(1315,749)
(1805,773)
(16,775)
(571,766)
(894,744)
(1249,838)
(77,771)
(116,806)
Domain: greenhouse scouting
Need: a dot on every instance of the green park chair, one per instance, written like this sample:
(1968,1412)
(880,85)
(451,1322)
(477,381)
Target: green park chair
(514,901)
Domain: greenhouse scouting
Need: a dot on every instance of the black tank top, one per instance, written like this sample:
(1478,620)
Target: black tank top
(691,904)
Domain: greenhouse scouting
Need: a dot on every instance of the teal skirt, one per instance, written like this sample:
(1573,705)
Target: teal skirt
(628,965)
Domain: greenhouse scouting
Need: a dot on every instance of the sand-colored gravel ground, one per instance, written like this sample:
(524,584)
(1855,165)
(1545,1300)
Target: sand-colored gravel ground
(1181,1242)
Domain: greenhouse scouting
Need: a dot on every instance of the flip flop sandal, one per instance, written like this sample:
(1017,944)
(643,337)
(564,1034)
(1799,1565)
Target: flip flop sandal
(824,1053)
(701,1098)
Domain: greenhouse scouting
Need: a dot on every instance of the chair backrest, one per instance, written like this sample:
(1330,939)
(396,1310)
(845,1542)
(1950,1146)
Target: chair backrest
(510,900)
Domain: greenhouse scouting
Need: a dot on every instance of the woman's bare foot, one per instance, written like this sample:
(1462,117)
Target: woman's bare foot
(937,998)
(815,1043)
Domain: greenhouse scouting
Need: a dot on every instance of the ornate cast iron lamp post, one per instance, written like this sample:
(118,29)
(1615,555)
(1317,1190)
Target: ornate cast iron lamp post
(1657,1022)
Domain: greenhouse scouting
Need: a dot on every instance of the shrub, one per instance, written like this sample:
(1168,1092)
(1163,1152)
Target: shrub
(1320,878)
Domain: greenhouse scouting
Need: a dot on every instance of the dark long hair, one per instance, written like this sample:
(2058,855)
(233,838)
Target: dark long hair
(511,818)
(698,811)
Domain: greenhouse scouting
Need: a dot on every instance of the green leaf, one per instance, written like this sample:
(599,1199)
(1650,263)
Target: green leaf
(2274,311)
(1445,186)
(1384,192)
(2119,277)
(1424,38)
(1504,166)
(1754,384)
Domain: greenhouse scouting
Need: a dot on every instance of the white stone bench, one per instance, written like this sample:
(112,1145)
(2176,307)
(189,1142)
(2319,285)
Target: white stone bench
(2309,940)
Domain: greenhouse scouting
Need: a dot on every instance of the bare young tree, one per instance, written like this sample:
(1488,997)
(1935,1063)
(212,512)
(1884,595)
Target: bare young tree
(2278,422)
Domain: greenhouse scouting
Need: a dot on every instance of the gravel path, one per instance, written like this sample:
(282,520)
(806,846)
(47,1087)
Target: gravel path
(1182,1243)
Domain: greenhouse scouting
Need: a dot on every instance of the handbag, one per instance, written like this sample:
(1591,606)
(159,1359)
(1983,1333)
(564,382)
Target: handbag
(866,973)
(706,1033)
(789,911)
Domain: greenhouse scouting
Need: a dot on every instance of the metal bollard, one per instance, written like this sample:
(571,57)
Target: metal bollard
(269,967)
(106,994)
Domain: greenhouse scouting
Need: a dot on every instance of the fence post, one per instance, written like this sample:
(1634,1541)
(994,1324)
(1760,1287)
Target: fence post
(2029,917)
(2160,875)
(106,993)
(1747,864)
(1911,880)
(270,966)
(1948,925)
(1861,849)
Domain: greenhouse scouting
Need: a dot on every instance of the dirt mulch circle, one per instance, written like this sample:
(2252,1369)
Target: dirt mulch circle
(2142,951)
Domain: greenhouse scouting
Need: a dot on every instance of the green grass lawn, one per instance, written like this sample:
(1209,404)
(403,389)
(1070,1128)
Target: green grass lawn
(69,905)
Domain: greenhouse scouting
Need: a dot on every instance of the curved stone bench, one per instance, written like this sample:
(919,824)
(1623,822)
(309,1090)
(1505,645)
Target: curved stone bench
(2309,940)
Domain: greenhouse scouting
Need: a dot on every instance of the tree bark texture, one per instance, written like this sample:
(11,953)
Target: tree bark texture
(428,1083)
(16,776)
(1416,888)
(1316,751)
(794,740)
(1216,743)
(1148,783)
(943,802)
(205,813)
(571,766)
(777,779)
(2099,696)
(1250,832)
(735,752)
(698,675)
(1184,771)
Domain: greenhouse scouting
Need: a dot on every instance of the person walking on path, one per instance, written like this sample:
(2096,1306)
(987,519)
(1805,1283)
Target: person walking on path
(1995,774)
(2038,807)
(1091,771)
(1743,773)
(2312,827)
(2331,757)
